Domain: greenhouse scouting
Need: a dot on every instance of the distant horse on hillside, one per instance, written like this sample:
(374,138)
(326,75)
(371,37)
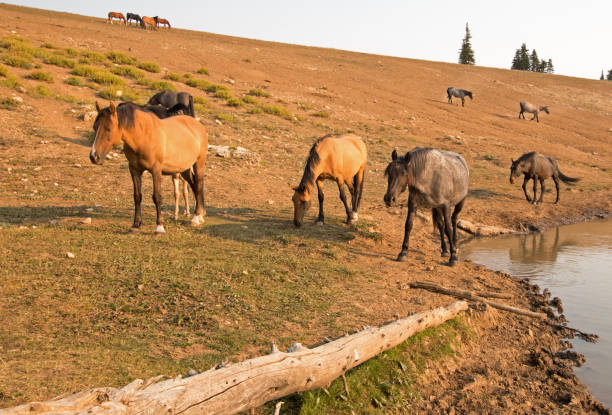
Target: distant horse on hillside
(458,93)
(116,15)
(533,109)
(148,22)
(436,179)
(340,158)
(160,21)
(538,167)
(169,99)
(162,147)
(134,17)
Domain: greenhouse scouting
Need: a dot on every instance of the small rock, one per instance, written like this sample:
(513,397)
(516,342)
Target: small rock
(245,272)
(89,210)
(119,93)
(90,115)
(56,184)
(270,202)
(429,268)
(37,168)
(86,221)
(53,221)
(218,122)
(69,255)
(18,99)
(140,287)
(22,89)
(77,165)
(108,157)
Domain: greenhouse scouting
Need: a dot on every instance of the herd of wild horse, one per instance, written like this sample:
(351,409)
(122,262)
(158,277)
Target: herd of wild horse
(164,138)
(145,22)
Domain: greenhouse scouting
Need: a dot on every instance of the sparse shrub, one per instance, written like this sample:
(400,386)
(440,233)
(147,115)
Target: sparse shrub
(9,103)
(126,94)
(203,71)
(48,46)
(120,58)
(42,91)
(149,66)
(128,71)
(234,102)
(85,61)
(223,94)
(489,157)
(161,85)
(98,75)
(40,76)
(67,98)
(278,111)
(17,61)
(3,71)
(71,52)
(93,56)
(173,76)
(72,80)
(197,83)
(321,114)
(247,99)
(10,82)
(216,88)
(247,60)
(226,117)
(187,75)
(304,107)
(256,92)
(255,110)
(59,61)
(144,81)
(200,100)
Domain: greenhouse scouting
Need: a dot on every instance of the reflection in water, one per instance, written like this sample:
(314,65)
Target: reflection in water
(574,262)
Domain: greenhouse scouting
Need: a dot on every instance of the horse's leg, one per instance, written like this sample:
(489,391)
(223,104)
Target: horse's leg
(462,101)
(359,180)
(542,190)
(437,219)
(535,189)
(321,218)
(525,189)
(407,228)
(449,235)
(137,183)
(186,197)
(157,199)
(521,113)
(175,183)
(456,211)
(198,171)
(556,180)
(343,198)
(536,117)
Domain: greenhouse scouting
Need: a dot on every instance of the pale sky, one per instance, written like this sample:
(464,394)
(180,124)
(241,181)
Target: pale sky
(574,34)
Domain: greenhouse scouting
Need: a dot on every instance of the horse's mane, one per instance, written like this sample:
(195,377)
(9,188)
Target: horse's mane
(526,156)
(125,113)
(418,155)
(311,163)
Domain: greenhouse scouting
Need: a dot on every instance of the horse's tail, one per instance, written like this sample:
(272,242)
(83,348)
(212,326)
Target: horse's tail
(169,27)
(565,178)
(191,110)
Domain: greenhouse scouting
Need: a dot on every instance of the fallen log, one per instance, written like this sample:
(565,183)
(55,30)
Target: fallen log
(467,295)
(249,384)
(482,230)
(433,287)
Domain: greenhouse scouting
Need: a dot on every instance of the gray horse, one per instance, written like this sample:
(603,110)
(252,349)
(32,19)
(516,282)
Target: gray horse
(436,179)
(458,93)
(538,167)
(532,109)
(169,99)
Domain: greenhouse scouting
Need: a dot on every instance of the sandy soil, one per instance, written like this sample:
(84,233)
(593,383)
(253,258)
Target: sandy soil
(515,364)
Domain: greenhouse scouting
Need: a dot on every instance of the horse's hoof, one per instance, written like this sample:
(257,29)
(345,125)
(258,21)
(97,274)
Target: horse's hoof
(319,223)
(453,261)
(197,220)
(445,254)
(160,230)
(401,258)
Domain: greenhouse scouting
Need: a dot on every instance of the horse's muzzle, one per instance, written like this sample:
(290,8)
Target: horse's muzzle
(95,158)
(389,200)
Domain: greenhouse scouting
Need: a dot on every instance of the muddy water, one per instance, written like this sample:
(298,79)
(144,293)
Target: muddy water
(575,263)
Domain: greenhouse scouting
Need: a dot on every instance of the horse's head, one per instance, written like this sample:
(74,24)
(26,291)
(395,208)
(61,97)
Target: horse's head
(516,169)
(545,109)
(301,203)
(108,133)
(469,94)
(397,177)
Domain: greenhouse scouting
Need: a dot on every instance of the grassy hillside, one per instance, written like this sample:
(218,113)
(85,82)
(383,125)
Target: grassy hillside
(135,305)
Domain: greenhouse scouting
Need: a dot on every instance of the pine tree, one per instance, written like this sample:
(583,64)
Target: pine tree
(549,67)
(466,54)
(610,75)
(524,63)
(516,61)
(601,78)
(534,61)
(542,66)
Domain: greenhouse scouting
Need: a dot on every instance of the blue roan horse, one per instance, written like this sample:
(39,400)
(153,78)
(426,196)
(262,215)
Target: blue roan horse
(458,93)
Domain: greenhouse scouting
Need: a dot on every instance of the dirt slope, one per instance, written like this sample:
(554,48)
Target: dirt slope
(390,102)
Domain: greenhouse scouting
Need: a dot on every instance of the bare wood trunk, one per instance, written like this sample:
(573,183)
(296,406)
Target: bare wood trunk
(474,297)
(482,230)
(248,384)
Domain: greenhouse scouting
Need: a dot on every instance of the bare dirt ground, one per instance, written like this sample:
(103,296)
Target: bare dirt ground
(513,364)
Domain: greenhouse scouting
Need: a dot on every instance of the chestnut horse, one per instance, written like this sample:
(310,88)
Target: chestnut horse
(161,22)
(148,22)
(342,159)
(160,146)
(116,15)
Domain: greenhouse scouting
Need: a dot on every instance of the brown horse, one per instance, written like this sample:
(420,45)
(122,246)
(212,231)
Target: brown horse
(160,146)
(538,167)
(116,15)
(342,159)
(148,22)
(162,22)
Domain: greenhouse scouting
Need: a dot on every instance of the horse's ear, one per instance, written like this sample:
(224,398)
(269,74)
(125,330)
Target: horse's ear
(98,106)
(407,157)
(113,108)
(293,187)
(511,160)
(394,155)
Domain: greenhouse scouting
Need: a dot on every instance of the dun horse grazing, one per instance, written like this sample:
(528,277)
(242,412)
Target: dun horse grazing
(340,158)
(148,22)
(173,145)
(116,15)
(133,17)
(169,99)
(435,179)
(163,22)
(458,93)
(538,167)
(533,109)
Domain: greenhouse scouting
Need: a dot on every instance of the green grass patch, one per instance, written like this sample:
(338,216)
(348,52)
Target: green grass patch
(18,61)
(73,80)
(59,61)
(10,82)
(9,103)
(40,76)
(200,100)
(255,110)
(223,94)
(247,99)
(123,94)
(97,75)
(256,92)
(149,66)
(320,114)
(42,91)
(68,98)
(4,71)
(161,85)
(71,52)
(121,58)
(203,71)
(128,71)
(48,45)
(173,76)
(234,102)
(278,111)
(93,56)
